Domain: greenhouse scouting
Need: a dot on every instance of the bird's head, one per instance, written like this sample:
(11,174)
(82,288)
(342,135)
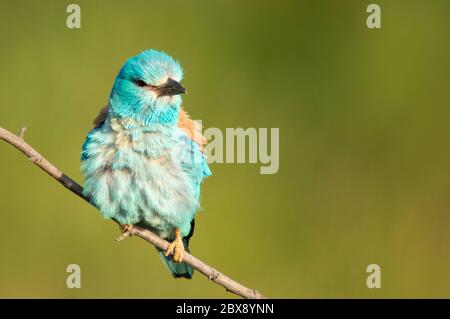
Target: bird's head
(147,89)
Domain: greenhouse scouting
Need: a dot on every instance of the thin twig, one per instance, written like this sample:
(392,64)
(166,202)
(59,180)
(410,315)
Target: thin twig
(211,273)
(22,132)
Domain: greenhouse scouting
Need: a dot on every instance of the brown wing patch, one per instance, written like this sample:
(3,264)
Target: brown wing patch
(101,117)
(192,128)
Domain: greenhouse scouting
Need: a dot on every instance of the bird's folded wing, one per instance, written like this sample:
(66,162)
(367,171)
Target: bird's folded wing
(193,163)
(193,129)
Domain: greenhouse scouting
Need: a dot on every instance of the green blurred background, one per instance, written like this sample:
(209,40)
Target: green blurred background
(364,145)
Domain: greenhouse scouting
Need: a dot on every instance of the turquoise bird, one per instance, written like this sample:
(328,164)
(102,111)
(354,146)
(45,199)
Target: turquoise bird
(143,161)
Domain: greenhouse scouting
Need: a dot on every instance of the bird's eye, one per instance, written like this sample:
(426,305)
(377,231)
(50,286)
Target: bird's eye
(139,82)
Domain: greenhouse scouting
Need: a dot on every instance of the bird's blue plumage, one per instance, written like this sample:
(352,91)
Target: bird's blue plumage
(139,166)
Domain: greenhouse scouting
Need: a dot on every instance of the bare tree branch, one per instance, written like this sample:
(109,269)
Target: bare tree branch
(211,273)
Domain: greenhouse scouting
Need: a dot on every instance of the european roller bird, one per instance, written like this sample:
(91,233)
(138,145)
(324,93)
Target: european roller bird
(143,160)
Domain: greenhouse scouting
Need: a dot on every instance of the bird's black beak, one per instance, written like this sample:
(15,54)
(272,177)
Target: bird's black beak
(171,87)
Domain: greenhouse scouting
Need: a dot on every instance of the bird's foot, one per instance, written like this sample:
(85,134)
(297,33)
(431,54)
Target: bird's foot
(176,248)
(125,231)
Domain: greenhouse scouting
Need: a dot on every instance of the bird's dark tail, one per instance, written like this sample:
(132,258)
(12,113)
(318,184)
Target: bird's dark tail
(178,270)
